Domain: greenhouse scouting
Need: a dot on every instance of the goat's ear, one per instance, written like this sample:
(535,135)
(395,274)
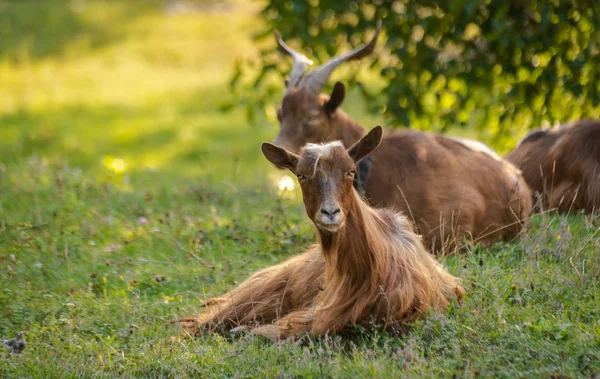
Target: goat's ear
(280,157)
(336,99)
(367,144)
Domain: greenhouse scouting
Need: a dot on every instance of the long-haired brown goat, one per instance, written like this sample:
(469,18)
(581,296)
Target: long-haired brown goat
(450,187)
(562,165)
(369,267)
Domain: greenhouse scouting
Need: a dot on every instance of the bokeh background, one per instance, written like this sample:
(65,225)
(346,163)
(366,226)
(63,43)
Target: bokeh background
(127,86)
(174,85)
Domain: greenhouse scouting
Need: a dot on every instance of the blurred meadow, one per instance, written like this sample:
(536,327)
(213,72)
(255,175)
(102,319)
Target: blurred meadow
(127,195)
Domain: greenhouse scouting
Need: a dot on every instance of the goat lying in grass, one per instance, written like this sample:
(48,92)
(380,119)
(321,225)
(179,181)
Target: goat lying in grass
(369,267)
(562,166)
(452,188)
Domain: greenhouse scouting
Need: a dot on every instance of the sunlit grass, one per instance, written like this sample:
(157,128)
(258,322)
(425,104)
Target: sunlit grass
(150,93)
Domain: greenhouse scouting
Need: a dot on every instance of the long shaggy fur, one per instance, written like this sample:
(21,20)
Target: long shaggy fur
(373,271)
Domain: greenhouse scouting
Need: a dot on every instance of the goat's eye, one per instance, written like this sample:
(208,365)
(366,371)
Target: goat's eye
(300,176)
(351,173)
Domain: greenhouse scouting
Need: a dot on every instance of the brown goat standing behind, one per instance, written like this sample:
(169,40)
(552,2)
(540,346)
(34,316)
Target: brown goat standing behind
(450,187)
(369,267)
(562,165)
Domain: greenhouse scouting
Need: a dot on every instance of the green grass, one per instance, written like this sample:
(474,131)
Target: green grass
(126,197)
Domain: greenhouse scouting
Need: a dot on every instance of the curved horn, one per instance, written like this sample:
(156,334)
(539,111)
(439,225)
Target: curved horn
(301,62)
(317,79)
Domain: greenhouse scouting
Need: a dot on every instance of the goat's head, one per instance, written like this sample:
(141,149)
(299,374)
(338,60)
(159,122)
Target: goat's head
(305,114)
(325,172)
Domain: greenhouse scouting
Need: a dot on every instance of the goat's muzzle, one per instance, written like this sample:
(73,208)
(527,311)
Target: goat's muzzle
(329,217)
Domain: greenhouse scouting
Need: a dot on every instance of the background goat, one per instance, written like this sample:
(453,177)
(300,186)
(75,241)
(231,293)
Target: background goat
(368,268)
(562,165)
(450,187)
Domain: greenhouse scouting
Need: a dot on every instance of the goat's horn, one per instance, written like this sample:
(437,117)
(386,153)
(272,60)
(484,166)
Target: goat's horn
(317,79)
(301,62)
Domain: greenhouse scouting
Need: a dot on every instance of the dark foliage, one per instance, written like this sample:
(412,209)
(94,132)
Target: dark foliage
(495,65)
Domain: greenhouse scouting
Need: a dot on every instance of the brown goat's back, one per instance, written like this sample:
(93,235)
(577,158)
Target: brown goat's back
(562,165)
(448,187)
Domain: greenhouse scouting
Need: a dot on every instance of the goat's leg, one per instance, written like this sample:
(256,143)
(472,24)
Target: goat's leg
(265,296)
(291,326)
(261,298)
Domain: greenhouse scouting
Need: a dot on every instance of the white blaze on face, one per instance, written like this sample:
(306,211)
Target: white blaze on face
(321,150)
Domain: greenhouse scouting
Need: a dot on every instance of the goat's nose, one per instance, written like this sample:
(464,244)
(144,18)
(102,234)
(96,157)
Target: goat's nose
(331,211)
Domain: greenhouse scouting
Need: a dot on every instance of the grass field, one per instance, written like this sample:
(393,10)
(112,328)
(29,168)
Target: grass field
(126,197)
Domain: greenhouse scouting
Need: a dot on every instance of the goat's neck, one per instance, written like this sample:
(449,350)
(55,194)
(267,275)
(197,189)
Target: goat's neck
(345,129)
(349,253)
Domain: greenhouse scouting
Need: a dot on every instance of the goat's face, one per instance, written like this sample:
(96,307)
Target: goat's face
(305,114)
(326,173)
(306,118)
